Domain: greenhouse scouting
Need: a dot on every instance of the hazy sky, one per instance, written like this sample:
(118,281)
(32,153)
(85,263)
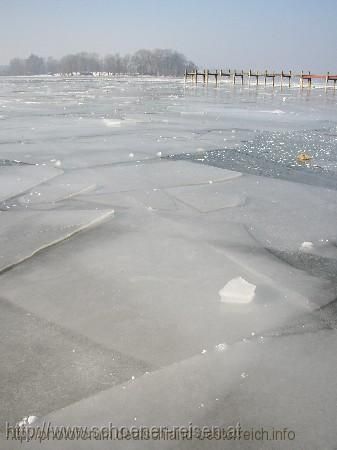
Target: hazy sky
(257,34)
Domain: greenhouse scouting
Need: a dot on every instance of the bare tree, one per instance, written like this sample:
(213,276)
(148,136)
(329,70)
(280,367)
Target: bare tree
(52,65)
(17,66)
(34,65)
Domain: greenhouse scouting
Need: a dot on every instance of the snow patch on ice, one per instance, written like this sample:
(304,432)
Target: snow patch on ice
(221,347)
(111,123)
(237,290)
(307,245)
(275,111)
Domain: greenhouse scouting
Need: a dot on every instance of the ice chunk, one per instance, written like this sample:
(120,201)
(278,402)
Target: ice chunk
(27,421)
(237,290)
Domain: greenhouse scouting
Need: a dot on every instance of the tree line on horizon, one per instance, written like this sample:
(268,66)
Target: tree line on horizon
(144,62)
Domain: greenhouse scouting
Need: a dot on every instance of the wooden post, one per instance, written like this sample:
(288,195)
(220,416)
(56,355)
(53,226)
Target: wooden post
(290,75)
(273,79)
(282,79)
(185,75)
(216,78)
(196,76)
(257,78)
(326,80)
(249,75)
(234,76)
(265,78)
(207,74)
(242,77)
(302,79)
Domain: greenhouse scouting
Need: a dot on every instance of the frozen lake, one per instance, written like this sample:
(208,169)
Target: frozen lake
(165,259)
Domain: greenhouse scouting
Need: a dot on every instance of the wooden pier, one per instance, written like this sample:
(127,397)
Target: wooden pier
(269,78)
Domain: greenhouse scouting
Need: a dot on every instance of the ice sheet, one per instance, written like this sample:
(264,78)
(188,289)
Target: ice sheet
(24,234)
(17,179)
(160,237)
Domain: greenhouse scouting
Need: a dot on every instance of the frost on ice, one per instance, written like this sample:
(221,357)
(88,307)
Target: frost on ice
(237,290)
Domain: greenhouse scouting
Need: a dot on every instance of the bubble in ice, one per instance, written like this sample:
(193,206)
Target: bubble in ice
(131,155)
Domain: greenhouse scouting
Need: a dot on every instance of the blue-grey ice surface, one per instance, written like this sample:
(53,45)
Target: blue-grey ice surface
(168,235)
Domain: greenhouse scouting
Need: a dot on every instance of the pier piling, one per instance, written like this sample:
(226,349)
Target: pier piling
(218,75)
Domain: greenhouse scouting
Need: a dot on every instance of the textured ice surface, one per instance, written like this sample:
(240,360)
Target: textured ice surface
(164,194)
